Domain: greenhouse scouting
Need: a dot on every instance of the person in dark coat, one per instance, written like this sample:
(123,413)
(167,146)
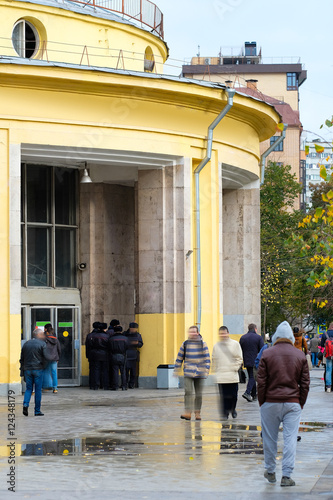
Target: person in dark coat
(251,344)
(118,344)
(328,374)
(283,386)
(97,345)
(52,354)
(88,349)
(32,363)
(133,355)
(113,323)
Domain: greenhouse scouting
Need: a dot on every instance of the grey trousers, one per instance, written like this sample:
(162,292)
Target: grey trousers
(193,386)
(272,414)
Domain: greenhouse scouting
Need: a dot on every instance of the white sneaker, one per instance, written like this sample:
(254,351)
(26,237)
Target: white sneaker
(328,389)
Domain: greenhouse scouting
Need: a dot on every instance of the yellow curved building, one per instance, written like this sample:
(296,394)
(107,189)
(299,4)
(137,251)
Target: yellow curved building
(83,88)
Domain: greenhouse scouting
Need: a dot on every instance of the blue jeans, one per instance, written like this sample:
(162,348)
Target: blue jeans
(50,378)
(33,377)
(314,356)
(329,363)
(272,415)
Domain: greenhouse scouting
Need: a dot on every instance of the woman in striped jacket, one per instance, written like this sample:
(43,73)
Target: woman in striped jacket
(195,355)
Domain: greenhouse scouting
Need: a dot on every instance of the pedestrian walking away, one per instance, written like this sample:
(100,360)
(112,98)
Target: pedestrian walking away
(226,361)
(194,356)
(314,344)
(251,344)
(328,358)
(32,364)
(283,386)
(133,355)
(300,342)
(52,354)
(118,345)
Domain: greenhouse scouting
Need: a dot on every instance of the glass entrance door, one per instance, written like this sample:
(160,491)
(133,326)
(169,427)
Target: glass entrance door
(66,323)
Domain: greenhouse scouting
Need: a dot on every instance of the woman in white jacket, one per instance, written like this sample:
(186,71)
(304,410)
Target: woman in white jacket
(227,358)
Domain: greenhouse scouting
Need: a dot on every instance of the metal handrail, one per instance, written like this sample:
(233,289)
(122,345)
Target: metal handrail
(144,11)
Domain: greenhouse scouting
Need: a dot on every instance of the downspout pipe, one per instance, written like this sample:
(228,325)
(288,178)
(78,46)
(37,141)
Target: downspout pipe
(200,167)
(269,150)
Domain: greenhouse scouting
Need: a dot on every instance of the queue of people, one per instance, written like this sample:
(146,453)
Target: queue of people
(111,353)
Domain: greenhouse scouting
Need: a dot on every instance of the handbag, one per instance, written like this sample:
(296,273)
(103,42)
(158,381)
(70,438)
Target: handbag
(242,376)
(308,358)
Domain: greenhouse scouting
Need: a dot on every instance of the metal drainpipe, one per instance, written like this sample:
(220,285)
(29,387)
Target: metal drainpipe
(231,93)
(269,150)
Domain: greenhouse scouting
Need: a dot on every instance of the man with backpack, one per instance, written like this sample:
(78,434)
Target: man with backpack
(327,343)
(195,355)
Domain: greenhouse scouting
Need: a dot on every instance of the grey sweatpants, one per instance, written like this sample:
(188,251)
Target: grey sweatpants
(272,414)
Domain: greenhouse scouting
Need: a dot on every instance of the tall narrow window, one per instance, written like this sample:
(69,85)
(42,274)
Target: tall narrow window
(279,147)
(25,39)
(292,83)
(49,226)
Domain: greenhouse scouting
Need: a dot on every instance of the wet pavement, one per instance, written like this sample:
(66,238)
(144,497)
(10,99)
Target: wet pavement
(133,445)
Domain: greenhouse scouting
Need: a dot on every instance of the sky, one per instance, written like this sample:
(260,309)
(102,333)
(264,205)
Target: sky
(298,28)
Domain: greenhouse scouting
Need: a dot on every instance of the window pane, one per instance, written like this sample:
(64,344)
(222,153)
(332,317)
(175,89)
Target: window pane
(30,41)
(65,258)
(38,254)
(38,193)
(65,331)
(18,39)
(22,256)
(65,196)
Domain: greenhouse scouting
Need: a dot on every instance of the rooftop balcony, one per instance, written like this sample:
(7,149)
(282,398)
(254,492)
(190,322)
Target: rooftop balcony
(143,11)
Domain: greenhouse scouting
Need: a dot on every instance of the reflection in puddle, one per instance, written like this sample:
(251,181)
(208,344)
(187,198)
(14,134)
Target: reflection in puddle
(82,446)
(203,437)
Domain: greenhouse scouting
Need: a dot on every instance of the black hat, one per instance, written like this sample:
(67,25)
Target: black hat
(114,322)
(103,326)
(118,329)
(133,325)
(96,324)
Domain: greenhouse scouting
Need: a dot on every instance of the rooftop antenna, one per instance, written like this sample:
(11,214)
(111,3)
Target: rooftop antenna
(198,54)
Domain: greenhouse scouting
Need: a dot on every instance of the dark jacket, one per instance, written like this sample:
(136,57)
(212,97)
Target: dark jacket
(283,375)
(97,345)
(135,343)
(251,343)
(325,336)
(53,349)
(314,343)
(118,345)
(33,355)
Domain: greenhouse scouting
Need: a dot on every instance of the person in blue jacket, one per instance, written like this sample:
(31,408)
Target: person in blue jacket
(251,343)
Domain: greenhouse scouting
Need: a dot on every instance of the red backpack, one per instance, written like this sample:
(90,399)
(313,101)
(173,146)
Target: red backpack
(328,348)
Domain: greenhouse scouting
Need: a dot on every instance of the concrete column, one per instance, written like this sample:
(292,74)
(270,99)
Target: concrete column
(241,257)
(107,246)
(163,272)
(164,237)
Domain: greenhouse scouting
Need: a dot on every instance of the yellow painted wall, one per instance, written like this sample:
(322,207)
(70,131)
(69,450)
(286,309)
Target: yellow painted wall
(92,109)
(103,38)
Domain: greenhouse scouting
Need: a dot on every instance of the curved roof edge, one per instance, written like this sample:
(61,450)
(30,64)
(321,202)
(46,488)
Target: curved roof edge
(97,12)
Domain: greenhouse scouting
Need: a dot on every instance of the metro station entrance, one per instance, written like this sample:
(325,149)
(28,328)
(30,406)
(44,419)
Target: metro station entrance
(66,323)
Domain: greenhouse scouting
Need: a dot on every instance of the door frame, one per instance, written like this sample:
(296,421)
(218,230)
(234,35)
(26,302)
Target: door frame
(26,310)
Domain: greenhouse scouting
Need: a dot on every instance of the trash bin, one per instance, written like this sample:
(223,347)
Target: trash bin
(165,378)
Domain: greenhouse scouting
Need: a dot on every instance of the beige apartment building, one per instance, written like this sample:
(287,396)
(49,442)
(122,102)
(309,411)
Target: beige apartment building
(272,80)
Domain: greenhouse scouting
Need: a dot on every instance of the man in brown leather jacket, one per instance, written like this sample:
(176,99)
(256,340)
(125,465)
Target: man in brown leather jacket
(283,386)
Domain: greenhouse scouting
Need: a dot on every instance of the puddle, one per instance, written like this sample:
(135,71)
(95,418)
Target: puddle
(82,446)
(224,438)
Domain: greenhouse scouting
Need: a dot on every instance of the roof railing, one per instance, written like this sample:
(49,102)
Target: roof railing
(143,11)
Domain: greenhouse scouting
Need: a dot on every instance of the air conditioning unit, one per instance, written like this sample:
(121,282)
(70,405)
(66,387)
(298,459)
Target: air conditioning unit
(207,60)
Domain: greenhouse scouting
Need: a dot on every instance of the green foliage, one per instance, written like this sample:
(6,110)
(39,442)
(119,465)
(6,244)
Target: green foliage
(278,267)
